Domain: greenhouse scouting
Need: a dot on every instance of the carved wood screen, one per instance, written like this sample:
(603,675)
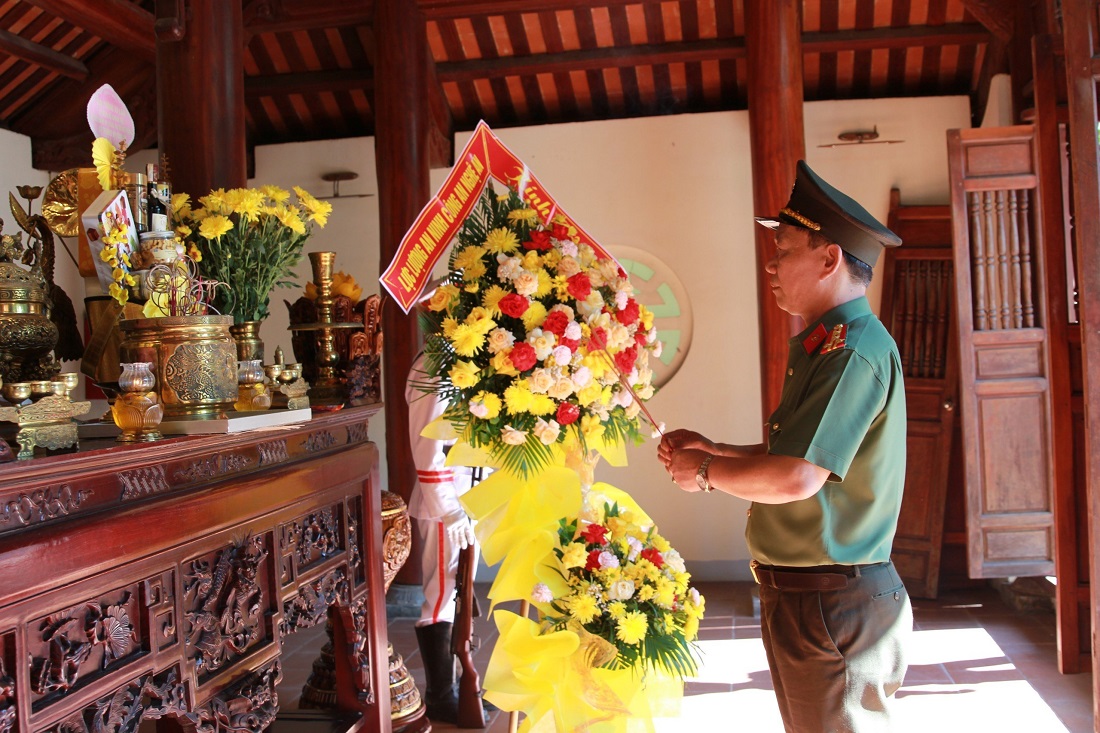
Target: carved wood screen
(917,308)
(1004,352)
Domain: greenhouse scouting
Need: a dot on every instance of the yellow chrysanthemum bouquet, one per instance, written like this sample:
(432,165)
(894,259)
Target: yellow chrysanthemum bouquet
(625,589)
(534,341)
(249,240)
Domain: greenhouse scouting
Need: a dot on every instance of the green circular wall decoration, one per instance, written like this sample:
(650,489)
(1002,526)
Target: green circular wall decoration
(658,289)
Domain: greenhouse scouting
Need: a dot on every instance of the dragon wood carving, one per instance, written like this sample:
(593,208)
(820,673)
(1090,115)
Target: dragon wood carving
(224,602)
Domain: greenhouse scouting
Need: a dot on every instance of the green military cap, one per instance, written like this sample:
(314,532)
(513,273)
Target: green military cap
(816,205)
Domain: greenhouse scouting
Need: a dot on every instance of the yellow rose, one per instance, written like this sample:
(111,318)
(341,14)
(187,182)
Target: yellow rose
(503,365)
(463,374)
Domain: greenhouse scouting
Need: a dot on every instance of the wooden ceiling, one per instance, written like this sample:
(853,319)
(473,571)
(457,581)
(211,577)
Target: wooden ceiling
(308,70)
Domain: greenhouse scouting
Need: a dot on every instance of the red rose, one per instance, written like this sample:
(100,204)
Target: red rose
(555,323)
(625,359)
(593,561)
(629,314)
(572,344)
(568,413)
(597,341)
(523,356)
(651,554)
(560,232)
(579,286)
(640,337)
(514,305)
(594,534)
(540,240)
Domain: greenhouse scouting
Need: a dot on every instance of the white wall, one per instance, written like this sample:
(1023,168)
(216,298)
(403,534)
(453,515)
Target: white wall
(680,188)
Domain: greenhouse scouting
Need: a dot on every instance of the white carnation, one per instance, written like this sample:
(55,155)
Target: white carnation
(541,593)
(608,559)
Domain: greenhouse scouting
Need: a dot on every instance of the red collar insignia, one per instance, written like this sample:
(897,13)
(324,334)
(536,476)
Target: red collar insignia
(811,342)
(836,338)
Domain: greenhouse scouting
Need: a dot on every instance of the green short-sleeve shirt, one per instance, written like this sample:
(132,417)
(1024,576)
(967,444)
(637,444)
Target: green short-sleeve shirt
(842,409)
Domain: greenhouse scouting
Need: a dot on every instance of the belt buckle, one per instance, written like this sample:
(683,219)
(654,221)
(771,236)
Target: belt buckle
(752,568)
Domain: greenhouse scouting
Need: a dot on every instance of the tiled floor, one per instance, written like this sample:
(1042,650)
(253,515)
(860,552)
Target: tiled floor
(975,664)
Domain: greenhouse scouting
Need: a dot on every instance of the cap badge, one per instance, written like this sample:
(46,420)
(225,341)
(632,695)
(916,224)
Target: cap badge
(836,338)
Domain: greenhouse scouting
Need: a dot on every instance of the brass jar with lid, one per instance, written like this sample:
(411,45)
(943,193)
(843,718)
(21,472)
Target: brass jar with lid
(27,335)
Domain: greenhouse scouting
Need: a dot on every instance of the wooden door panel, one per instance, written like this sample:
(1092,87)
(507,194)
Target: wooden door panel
(917,306)
(1003,338)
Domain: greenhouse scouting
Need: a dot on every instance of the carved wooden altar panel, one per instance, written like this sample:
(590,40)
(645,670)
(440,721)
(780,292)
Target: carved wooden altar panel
(161,580)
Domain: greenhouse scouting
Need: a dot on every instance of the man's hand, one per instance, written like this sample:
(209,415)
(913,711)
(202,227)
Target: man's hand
(459,529)
(684,465)
(683,440)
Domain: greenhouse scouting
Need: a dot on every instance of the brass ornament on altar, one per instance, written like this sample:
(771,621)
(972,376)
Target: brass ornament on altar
(194,357)
(289,391)
(356,337)
(43,413)
(137,410)
(27,335)
(252,392)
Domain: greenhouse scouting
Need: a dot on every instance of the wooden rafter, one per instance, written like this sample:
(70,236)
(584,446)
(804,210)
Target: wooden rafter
(279,16)
(119,22)
(992,15)
(703,50)
(310,82)
(43,56)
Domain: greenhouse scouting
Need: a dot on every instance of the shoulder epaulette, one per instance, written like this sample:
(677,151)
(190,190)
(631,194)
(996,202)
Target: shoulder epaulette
(836,338)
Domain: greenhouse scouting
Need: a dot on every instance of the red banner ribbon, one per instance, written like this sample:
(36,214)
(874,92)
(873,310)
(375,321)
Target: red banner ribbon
(429,237)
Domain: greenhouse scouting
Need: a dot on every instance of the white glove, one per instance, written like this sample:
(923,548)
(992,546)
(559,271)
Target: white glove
(459,528)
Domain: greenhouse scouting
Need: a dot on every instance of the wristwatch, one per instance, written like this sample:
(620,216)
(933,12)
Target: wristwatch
(701,475)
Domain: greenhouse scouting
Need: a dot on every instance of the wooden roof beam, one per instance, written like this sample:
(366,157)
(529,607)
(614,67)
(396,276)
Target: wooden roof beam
(119,22)
(43,56)
(992,15)
(711,49)
(264,16)
(446,9)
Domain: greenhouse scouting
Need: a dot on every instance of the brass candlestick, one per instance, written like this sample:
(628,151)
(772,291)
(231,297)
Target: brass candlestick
(327,392)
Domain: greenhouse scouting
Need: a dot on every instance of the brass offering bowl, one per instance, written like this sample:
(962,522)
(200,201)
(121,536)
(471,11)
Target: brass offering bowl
(16,392)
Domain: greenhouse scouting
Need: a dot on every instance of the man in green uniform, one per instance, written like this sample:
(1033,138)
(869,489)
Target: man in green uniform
(826,487)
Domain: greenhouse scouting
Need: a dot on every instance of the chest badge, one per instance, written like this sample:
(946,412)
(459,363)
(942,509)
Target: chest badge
(815,338)
(836,338)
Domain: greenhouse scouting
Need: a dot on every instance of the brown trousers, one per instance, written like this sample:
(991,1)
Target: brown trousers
(835,656)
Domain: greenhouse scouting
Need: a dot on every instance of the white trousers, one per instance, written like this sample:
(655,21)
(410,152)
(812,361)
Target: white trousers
(438,566)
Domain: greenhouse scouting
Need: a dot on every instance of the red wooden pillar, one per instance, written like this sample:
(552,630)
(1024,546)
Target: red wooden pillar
(200,95)
(1082,39)
(773,43)
(401,136)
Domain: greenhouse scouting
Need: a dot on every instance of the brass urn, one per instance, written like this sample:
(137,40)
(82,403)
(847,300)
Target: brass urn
(27,335)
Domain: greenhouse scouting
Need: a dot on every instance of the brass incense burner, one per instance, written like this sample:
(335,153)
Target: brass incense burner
(27,335)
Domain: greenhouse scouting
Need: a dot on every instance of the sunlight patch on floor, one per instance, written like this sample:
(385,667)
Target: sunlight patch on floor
(959,679)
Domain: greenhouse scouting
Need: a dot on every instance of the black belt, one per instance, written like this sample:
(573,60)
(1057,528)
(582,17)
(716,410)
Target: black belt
(817,577)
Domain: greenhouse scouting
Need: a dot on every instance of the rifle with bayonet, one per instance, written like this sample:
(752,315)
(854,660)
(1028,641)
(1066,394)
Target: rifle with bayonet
(470,712)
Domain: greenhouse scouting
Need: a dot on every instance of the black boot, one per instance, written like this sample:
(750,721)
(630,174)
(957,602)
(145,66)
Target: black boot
(441,693)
